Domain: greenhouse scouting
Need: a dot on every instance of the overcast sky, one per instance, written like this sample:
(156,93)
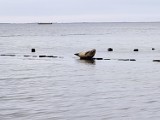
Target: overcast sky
(79,10)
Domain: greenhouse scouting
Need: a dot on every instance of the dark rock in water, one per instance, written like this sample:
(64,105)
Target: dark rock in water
(34,56)
(49,56)
(132,60)
(110,49)
(33,50)
(106,59)
(126,59)
(8,55)
(42,55)
(30,56)
(26,55)
(153,48)
(156,60)
(97,58)
(135,50)
(123,59)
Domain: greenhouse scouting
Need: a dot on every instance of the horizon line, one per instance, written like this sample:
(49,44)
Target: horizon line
(80,22)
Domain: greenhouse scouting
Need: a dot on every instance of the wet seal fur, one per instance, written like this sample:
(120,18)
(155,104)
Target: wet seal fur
(87,55)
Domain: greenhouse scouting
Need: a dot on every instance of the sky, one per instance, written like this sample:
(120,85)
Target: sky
(62,11)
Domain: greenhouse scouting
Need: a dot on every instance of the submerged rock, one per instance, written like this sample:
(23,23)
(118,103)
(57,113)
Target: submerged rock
(135,50)
(7,55)
(156,60)
(126,59)
(132,60)
(26,55)
(123,59)
(49,56)
(106,59)
(34,56)
(97,58)
(42,55)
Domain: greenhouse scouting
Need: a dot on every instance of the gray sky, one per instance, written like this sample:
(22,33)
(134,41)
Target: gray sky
(79,10)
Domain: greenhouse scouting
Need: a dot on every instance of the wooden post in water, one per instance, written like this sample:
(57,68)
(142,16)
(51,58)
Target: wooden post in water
(33,50)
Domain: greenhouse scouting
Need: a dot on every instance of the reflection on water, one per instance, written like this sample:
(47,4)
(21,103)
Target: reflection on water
(86,61)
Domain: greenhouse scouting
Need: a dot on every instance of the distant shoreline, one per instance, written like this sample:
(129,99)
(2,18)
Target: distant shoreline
(41,23)
(44,23)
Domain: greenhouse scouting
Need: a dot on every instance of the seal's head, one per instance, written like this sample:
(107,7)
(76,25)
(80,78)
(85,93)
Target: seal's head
(77,54)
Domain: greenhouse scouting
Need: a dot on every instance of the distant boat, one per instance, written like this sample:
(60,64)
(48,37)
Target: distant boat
(86,55)
(44,23)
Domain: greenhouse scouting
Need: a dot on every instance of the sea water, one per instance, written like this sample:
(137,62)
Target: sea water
(64,87)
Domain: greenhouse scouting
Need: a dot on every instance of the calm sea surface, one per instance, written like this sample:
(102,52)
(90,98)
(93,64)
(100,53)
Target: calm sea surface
(66,88)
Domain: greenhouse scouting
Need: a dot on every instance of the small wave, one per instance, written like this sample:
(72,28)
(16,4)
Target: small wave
(81,34)
(151,101)
(72,34)
(32,77)
(11,35)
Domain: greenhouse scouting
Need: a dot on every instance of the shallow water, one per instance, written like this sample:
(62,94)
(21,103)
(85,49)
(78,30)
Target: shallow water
(66,88)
